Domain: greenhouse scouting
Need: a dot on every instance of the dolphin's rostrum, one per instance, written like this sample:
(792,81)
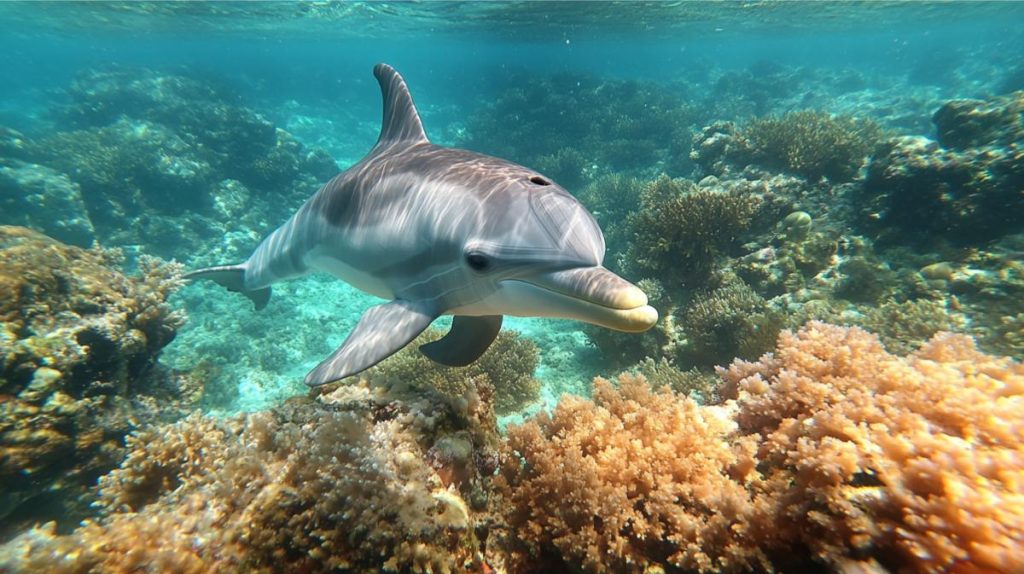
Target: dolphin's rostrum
(440,231)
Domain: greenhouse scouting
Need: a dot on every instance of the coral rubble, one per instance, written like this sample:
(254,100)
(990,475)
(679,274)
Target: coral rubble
(78,350)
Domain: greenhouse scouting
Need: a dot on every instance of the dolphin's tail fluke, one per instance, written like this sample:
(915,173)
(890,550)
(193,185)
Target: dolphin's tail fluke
(232,277)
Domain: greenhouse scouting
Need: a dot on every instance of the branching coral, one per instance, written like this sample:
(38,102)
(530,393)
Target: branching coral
(727,322)
(830,451)
(812,144)
(916,461)
(634,480)
(680,230)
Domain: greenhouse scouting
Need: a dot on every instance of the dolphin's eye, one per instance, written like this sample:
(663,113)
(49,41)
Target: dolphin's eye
(478,262)
(538,180)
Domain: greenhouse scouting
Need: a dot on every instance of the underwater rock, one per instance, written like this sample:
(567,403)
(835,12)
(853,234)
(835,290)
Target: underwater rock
(964,190)
(965,124)
(36,196)
(364,479)
(78,350)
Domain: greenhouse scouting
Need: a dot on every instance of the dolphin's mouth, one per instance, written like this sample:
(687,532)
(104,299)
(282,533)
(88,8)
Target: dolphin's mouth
(594,295)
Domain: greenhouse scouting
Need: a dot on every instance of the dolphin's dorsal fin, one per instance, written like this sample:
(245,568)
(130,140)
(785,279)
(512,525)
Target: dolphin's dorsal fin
(401,120)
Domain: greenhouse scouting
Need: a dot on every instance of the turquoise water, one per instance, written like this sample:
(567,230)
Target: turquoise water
(811,167)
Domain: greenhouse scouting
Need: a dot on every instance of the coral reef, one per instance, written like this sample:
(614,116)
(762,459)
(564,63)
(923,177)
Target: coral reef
(963,189)
(152,154)
(78,350)
(364,478)
(36,196)
(569,123)
(830,452)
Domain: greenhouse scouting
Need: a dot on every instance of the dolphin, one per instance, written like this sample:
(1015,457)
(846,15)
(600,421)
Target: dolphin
(440,231)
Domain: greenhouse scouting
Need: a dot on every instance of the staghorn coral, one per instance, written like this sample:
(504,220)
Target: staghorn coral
(78,349)
(917,462)
(634,481)
(342,483)
(507,366)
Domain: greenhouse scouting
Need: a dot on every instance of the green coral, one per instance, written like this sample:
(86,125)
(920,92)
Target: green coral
(903,326)
(727,322)
(812,144)
(694,383)
(681,231)
(507,366)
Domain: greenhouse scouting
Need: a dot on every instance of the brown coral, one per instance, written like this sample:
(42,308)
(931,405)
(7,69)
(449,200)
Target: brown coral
(344,483)
(507,366)
(78,347)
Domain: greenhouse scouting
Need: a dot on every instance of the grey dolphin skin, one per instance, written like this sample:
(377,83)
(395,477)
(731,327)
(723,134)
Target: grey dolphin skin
(440,231)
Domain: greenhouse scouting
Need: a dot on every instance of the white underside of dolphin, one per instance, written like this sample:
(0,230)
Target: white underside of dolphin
(440,231)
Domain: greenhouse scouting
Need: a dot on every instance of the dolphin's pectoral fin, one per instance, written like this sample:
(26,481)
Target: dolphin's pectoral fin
(232,277)
(381,332)
(465,342)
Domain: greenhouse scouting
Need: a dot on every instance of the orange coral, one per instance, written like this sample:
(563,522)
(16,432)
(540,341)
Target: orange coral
(634,479)
(918,461)
(831,450)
